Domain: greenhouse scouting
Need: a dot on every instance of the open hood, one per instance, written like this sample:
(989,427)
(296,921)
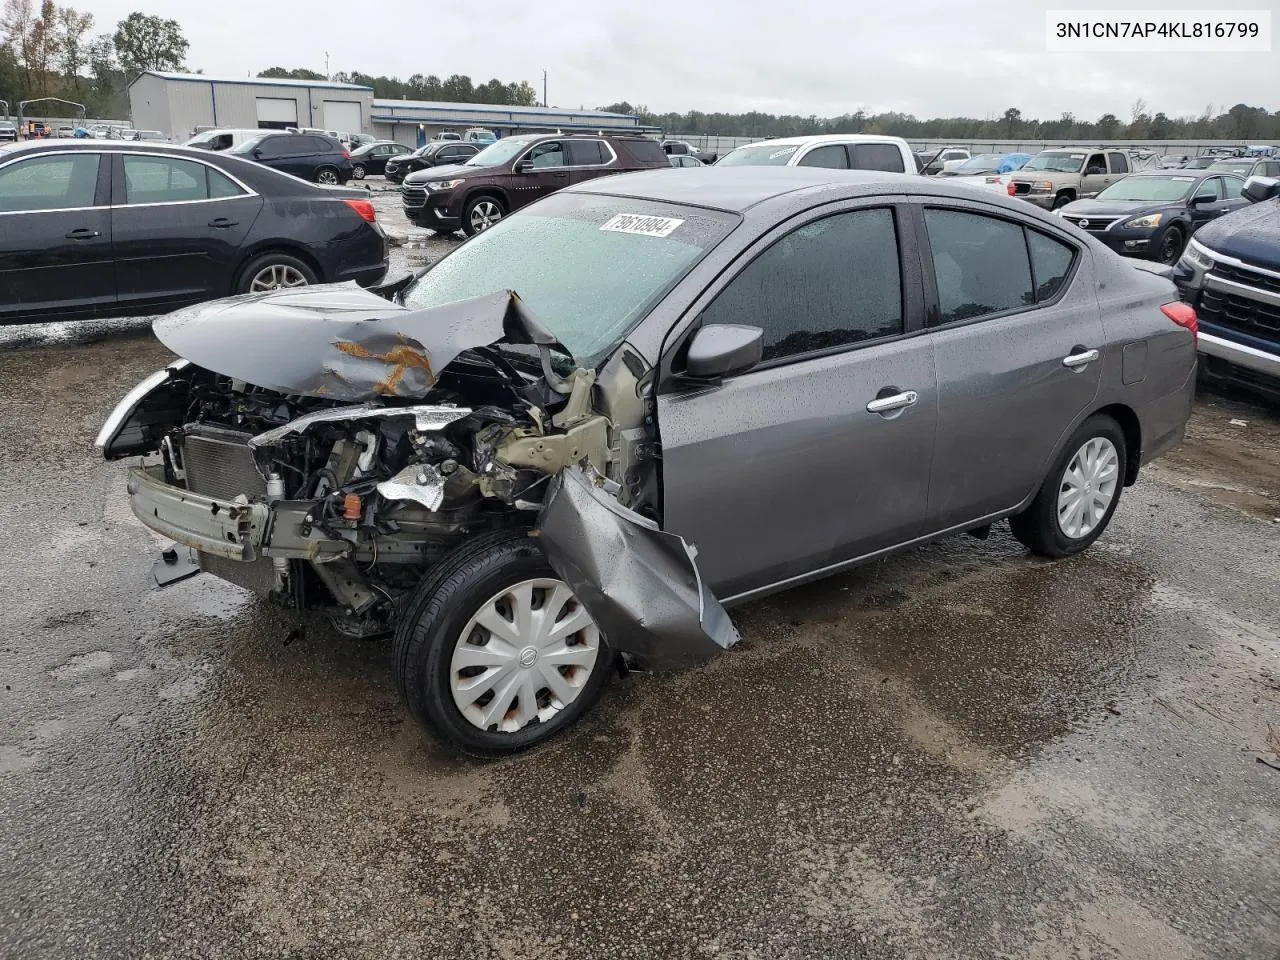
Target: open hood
(342,342)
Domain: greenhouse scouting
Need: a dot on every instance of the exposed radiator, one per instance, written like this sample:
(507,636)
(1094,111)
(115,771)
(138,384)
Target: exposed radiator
(220,464)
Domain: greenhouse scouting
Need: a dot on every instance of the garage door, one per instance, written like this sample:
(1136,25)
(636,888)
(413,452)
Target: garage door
(277,113)
(342,115)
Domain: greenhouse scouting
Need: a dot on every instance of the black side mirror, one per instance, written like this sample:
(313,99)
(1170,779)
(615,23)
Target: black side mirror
(1202,199)
(257,153)
(723,349)
(1258,189)
(524,166)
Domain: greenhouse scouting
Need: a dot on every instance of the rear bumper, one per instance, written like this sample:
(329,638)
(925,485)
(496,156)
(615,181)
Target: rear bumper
(222,528)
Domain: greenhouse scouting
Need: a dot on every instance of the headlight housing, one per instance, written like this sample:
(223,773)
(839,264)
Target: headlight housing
(442,184)
(1141,223)
(1197,255)
(1044,184)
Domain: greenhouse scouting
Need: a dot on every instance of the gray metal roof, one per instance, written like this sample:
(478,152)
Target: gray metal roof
(253,81)
(495,108)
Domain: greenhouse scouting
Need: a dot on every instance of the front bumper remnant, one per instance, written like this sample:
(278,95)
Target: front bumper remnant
(222,528)
(639,583)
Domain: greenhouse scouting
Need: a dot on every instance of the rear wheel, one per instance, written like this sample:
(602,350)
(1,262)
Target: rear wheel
(357,171)
(1078,498)
(495,654)
(480,214)
(274,271)
(327,176)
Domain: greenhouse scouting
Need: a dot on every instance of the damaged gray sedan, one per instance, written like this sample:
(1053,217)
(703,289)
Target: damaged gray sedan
(588,430)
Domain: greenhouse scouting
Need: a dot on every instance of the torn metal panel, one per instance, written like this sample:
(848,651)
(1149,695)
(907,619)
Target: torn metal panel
(343,343)
(425,418)
(419,482)
(639,583)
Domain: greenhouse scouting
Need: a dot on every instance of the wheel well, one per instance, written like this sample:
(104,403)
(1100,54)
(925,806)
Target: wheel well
(1066,192)
(288,250)
(492,192)
(1132,429)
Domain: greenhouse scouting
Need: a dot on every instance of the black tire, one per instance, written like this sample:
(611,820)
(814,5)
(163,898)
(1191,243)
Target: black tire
(1170,245)
(328,175)
(1038,527)
(1062,199)
(357,171)
(283,262)
(430,630)
(475,202)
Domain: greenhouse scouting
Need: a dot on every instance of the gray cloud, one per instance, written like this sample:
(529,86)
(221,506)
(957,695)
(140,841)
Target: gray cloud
(818,57)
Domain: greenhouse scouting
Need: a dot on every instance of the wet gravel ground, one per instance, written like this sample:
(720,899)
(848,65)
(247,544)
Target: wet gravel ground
(959,752)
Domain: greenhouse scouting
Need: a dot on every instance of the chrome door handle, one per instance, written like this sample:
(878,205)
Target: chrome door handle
(1080,359)
(895,402)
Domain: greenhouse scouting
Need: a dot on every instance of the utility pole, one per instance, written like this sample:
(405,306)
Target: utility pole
(544,88)
(327,74)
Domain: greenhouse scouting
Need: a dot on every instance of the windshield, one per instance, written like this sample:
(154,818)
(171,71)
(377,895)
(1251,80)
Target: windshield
(1056,162)
(499,153)
(614,259)
(982,163)
(1154,189)
(1199,163)
(759,155)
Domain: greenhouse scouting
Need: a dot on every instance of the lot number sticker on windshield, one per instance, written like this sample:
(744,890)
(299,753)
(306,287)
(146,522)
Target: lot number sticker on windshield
(638,223)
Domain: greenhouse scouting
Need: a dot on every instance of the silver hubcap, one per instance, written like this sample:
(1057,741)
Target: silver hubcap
(277,277)
(357,171)
(1088,486)
(525,655)
(484,215)
(327,176)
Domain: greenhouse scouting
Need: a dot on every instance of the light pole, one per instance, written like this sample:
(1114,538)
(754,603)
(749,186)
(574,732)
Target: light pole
(544,88)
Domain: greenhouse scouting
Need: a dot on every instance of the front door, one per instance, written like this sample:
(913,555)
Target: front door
(178,225)
(821,453)
(1212,201)
(1017,341)
(55,237)
(1095,178)
(547,174)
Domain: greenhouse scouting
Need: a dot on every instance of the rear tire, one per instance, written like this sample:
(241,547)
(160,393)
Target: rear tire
(273,271)
(328,176)
(441,644)
(357,171)
(1079,496)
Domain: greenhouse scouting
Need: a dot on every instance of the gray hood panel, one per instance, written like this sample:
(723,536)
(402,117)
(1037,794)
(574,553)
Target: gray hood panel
(342,342)
(639,584)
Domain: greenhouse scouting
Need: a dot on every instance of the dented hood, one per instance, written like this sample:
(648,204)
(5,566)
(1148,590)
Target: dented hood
(343,342)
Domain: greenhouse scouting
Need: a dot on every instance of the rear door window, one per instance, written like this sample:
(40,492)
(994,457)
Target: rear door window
(877,156)
(980,264)
(1050,263)
(62,182)
(586,153)
(830,155)
(1234,187)
(830,283)
(164,180)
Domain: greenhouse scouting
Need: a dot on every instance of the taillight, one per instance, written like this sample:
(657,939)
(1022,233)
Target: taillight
(1010,189)
(364,208)
(1184,315)
(346,154)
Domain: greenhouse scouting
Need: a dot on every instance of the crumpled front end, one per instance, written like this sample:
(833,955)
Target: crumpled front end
(335,490)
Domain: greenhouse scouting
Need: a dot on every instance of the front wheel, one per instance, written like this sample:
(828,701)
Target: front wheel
(1169,247)
(1078,498)
(357,171)
(495,654)
(1061,200)
(480,214)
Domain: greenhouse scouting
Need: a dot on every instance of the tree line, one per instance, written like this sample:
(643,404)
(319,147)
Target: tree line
(51,51)
(1240,122)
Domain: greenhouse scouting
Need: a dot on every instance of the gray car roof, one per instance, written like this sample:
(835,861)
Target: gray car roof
(738,189)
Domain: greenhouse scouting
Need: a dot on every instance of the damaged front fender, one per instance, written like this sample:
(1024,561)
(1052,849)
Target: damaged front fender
(639,583)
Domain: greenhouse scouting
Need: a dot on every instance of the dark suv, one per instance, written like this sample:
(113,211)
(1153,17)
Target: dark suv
(516,171)
(310,156)
(437,153)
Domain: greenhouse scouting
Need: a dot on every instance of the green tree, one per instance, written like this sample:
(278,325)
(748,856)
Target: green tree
(17,23)
(298,73)
(144,42)
(73,26)
(1012,118)
(1107,125)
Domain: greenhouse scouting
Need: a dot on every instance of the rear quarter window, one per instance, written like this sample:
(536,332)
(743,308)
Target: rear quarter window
(647,153)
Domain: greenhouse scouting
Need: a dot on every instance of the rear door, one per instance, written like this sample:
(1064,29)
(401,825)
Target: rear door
(178,225)
(1233,188)
(1017,338)
(588,159)
(821,453)
(55,237)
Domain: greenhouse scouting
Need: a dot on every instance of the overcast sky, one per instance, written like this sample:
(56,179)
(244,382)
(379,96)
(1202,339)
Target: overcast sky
(824,57)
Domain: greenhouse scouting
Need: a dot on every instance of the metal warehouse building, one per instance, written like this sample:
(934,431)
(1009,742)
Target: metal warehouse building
(178,103)
(413,122)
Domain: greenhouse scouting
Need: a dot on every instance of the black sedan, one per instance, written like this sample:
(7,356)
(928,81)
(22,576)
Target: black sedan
(371,159)
(437,153)
(1151,214)
(96,228)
